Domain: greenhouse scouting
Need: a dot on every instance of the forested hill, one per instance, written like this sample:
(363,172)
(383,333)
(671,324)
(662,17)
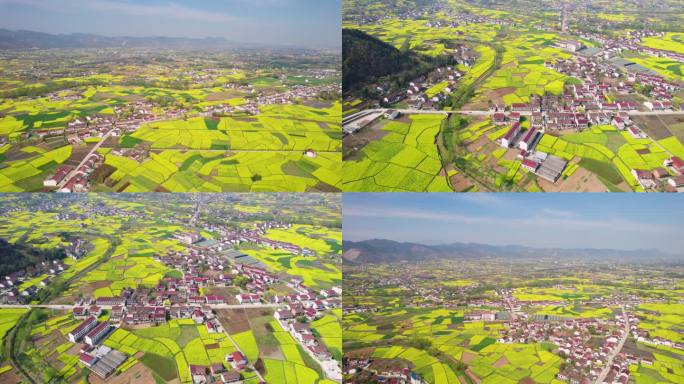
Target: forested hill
(16,257)
(366,58)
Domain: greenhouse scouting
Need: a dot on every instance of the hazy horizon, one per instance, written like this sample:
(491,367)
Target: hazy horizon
(301,23)
(567,220)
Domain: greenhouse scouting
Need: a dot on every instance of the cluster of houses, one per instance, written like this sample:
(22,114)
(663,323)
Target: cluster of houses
(296,93)
(569,118)
(78,180)
(218,373)
(600,77)
(418,92)
(456,18)
(586,362)
(632,42)
(643,336)
(368,371)
(652,179)
(80,128)
(13,287)
(257,236)
(542,164)
(306,306)
(576,338)
(251,107)
(100,359)
(306,303)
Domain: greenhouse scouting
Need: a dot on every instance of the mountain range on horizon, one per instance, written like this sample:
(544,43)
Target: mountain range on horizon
(387,251)
(24,39)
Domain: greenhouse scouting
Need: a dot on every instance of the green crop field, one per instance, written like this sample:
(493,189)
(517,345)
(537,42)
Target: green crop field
(669,42)
(405,159)
(262,153)
(607,151)
(28,174)
(172,347)
(471,341)
(8,318)
(318,272)
(247,344)
(289,373)
(328,327)
(523,72)
(211,171)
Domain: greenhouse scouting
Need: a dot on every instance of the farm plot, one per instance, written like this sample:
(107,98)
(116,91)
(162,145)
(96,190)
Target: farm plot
(404,160)
(307,236)
(261,337)
(523,72)
(8,318)
(287,372)
(611,154)
(51,349)
(27,175)
(277,127)
(315,273)
(473,343)
(216,171)
(328,328)
(669,68)
(662,320)
(170,348)
(124,271)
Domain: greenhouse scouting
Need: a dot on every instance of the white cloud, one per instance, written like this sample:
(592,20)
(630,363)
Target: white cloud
(557,220)
(480,198)
(559,212)
(171,9)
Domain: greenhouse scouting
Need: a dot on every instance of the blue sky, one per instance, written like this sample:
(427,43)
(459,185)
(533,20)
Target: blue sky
(565,220)
(308,23)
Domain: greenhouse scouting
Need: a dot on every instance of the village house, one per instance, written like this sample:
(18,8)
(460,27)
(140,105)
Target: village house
(510,135)
(644,177)
(97,333)
(528,140)
(237,359)
(198,373)
(675,164)
(82,329)
(231,376)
